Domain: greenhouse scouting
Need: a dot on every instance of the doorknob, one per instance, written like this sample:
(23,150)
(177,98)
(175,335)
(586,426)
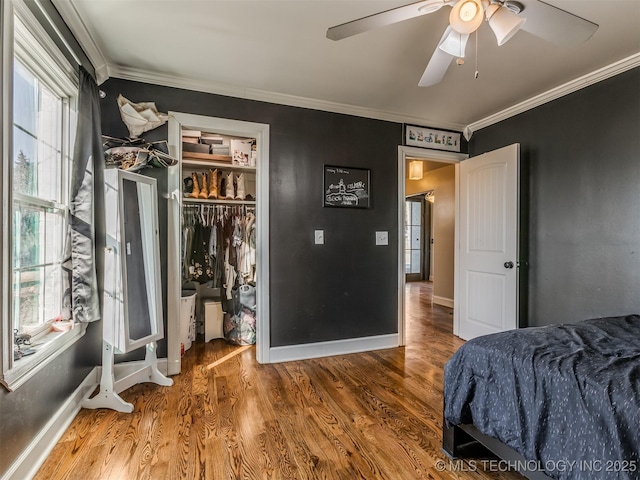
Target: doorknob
(508,264)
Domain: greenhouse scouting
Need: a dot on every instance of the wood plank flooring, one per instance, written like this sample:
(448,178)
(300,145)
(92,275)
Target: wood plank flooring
(373,415)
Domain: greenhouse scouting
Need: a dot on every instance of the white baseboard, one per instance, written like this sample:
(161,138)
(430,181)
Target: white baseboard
(444,301)
(327,349)
(31,459)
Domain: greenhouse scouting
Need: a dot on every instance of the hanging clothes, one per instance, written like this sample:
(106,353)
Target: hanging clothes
(230,275)
(219,249)
(247,258)
(201,270)
(189,220)
(217,258)
(218,245)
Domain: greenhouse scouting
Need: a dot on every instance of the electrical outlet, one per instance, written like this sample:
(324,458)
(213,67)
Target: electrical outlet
(382,238)
(319,237)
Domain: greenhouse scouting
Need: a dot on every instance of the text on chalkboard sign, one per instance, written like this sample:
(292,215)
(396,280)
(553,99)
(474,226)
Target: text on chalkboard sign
(346,187)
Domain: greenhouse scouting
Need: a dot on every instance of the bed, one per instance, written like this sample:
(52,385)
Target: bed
(559,402)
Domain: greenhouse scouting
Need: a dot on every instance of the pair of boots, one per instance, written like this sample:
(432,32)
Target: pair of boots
(216,185)
(232,187)
(222,182)
(207,188)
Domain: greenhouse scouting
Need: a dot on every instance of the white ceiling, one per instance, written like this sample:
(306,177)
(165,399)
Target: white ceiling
(264,47)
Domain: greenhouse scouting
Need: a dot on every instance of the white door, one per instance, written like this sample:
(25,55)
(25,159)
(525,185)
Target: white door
(488,243)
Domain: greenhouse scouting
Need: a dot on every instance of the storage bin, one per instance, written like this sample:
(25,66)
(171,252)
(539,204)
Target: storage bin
(187,319)
(213,320)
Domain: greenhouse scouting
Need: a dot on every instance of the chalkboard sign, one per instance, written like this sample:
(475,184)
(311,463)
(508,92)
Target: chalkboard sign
(346,187)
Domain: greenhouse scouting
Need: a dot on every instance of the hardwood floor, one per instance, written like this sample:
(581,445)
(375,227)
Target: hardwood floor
(373,415)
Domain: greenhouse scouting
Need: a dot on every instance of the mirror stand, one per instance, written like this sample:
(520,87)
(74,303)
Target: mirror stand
(116,378)
(132,300)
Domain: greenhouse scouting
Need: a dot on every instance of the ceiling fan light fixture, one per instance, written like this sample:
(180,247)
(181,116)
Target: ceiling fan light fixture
(466,16)
(504,23)
(454,44)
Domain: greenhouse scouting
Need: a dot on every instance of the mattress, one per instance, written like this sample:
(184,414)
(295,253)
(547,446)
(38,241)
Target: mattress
(566,396)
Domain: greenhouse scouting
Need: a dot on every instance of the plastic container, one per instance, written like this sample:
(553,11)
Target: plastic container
(212,320)
(187,319)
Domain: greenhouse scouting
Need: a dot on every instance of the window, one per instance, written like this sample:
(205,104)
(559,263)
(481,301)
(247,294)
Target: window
(39,197)
(36,188)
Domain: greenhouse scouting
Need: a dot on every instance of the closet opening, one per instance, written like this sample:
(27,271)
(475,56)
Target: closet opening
(218,224)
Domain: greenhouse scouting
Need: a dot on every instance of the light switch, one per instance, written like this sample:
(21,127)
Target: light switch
(382,238)
(319,237)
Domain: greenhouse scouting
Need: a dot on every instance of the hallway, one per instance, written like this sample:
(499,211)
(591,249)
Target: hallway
(423,316)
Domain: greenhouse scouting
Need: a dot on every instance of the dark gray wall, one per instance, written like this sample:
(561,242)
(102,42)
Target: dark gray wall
(583,156)
(346,288)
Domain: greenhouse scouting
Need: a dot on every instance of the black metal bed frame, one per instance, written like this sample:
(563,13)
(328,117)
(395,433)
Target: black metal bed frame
(461,441)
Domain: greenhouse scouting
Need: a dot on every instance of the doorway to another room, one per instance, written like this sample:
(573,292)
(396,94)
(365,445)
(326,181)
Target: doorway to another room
(429,290)
(428,209)
(430,216)
(484,252)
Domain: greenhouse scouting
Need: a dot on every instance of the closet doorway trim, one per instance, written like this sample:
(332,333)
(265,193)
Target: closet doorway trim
(259,131)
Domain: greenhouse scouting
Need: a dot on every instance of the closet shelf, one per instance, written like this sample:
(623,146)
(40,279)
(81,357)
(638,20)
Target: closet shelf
(208,164)
(211,201)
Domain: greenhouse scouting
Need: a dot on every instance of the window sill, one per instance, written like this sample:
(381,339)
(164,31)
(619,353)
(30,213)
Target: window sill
(48,347)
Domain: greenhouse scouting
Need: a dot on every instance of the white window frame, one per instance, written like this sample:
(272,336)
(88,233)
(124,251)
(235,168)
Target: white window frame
(46,60)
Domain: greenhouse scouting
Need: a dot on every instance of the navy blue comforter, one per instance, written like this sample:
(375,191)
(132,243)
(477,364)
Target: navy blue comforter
(556,394)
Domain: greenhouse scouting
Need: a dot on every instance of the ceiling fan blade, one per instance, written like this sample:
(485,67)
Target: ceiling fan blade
(556,26)
(387,17)
(438,65)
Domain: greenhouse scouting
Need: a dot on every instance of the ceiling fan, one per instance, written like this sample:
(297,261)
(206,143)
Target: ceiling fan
(505,17)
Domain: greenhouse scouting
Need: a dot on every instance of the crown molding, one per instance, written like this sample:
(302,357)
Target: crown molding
(156,78)
(596,76)
(83,35)
(104,70)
